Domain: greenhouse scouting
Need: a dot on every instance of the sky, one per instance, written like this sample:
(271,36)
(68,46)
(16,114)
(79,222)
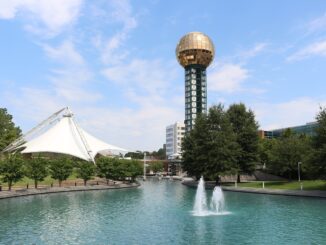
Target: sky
(113,62)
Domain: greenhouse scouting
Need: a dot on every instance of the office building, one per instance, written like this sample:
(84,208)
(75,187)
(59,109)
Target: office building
(174,136)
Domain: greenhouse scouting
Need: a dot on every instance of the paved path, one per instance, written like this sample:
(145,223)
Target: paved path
(48,190)
(303,193)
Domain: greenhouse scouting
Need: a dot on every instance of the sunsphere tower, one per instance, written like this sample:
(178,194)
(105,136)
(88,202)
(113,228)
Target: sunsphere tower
(195,52)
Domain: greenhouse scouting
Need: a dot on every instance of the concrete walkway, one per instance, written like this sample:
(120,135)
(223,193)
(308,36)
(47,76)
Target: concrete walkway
(303,193)
(49,190)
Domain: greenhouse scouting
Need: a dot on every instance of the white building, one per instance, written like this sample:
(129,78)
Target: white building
(174,137)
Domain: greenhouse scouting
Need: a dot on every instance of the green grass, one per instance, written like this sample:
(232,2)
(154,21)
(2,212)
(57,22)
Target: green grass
(294,185)
(47,181)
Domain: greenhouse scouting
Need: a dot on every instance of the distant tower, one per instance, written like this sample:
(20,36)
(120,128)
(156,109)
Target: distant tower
(195,52)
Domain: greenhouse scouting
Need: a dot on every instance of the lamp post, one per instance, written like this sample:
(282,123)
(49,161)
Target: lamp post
(144,177)
(299,163)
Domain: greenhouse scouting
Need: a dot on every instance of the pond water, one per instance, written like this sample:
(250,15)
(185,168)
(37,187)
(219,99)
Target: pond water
(160,212)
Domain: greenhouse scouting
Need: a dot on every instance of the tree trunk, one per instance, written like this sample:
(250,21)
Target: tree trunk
(85,181)
(107,181)
(60,183)
(9,185)
(238,178)
(35,184)
(217,181)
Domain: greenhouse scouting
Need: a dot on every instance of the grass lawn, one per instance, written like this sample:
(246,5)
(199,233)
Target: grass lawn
(47,181)
(294,185)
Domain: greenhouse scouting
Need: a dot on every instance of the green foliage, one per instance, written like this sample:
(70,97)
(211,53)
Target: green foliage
(8,131)
(85,171)
(160,154)
(223,148)
(156,166)
(210,148)
(11,169)
(36,169)
(288,150)
(137,154)
(130,168)
(195,148)
(61,168)
(108,168)
(116,169)
(245,128)
(318,159)
(265,151)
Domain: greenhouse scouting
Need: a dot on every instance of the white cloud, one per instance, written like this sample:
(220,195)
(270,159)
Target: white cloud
(48,17)
(111,51)
(314,49)
(65,53)
(256,50)
(291,113)
(317,24)
(227,78)
(150,76)
(71,80)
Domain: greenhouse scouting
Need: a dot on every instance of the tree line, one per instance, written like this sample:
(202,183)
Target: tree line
(14,167)
(225,142)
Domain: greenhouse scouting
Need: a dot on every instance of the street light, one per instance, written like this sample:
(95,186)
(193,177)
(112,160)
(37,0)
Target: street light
(299,163)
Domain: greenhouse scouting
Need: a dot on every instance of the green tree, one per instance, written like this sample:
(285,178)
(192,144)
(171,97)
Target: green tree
(108,168)
(130,168)
(290,149)
(11,169)
(137,154)
(8,131)
(60,169)
(265,150)
(245,127)
(156,166)
(85,171)
(223,148)
(36,169)
(160,154)
(210,148)
(318,159)
(195,148)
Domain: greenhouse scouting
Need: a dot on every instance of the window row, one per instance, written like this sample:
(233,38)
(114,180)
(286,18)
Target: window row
(194,99)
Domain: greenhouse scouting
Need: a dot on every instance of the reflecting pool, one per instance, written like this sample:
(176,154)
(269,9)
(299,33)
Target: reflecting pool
(160,212)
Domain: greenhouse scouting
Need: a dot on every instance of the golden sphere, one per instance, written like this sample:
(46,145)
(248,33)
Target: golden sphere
(195,48)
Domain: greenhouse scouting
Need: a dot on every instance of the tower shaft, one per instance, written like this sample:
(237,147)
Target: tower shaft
(195,93)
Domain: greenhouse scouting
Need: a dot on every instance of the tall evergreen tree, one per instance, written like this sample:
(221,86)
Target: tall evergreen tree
(245,127)
(8,131)
(196,147)
(210,149)
(222,147)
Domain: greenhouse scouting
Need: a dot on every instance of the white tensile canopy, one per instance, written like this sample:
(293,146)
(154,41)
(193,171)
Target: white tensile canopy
(66,137)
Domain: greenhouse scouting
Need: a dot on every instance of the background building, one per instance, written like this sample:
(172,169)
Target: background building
(195,52)
(174,136)
(307,129)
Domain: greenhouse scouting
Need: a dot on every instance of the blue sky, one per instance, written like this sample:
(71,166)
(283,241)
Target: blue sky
(113,62)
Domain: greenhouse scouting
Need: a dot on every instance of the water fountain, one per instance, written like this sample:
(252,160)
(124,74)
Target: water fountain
(217,201)
(200,207)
